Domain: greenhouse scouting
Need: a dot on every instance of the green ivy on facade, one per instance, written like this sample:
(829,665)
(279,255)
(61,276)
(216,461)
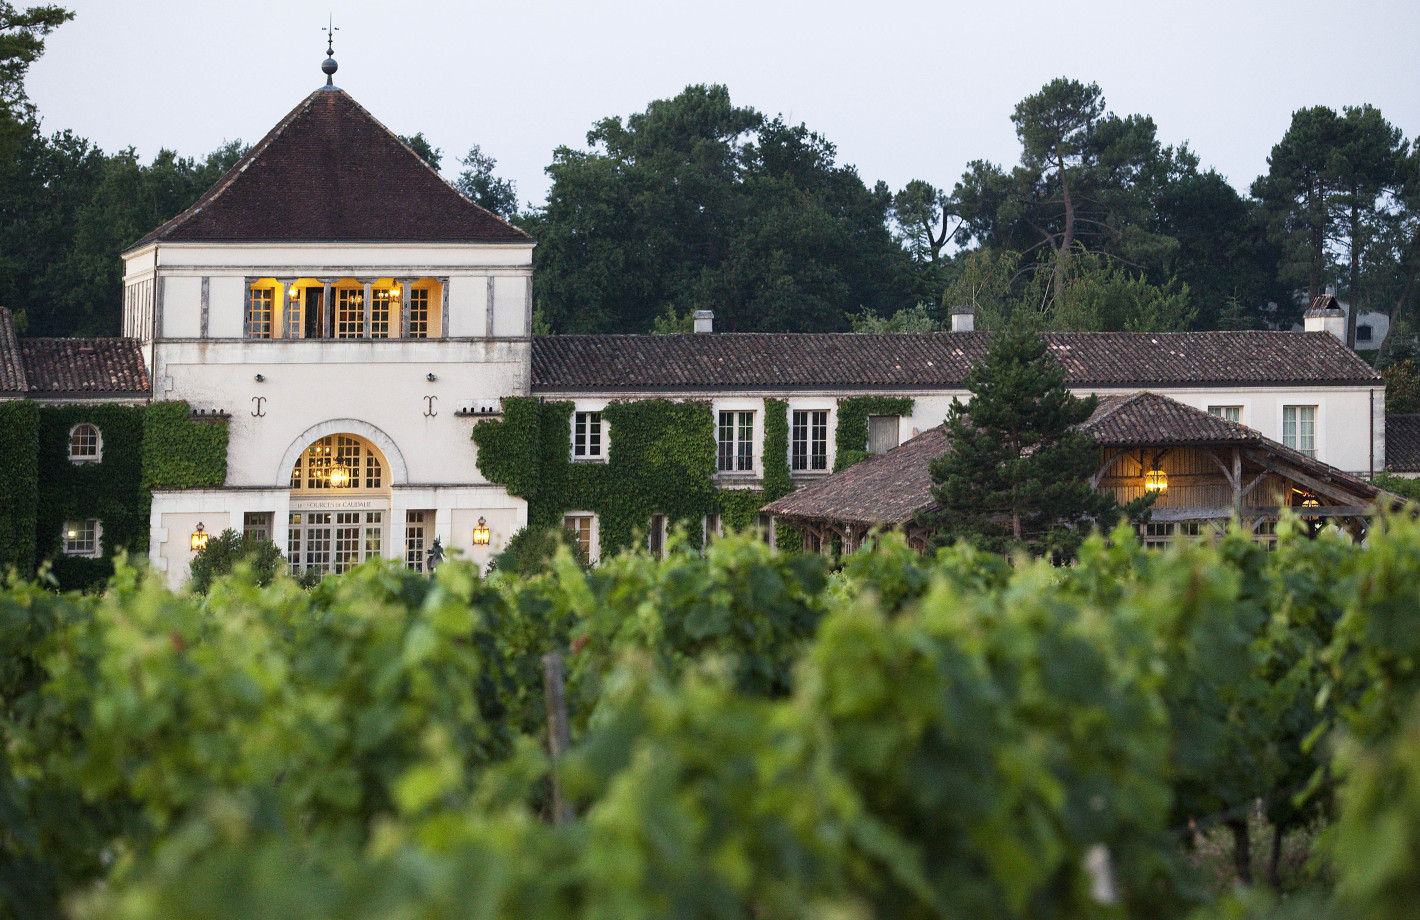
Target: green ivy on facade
(851,437)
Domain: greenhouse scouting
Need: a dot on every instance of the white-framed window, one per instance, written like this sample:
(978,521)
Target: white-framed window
(261,301)
(583,525)
(325,541)
(256,525)
(808,441)
(1231,413)
(1299,429)
(86,444)
(338,461)
(713,529)
(349,313)
(418,306)
(1159,534)
(81,538)
(380,302)
(736,442)
(587,441)
(418,531)
(656,536)
(882,433)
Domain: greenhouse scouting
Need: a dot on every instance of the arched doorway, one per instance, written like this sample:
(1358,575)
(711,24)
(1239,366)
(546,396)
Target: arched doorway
(340,505)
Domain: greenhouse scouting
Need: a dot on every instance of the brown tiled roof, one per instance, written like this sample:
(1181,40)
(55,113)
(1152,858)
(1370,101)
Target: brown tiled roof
(1402,443)
(1146,419)
(938,359)
(12,366)
(329,172)
(889,489)
(84,367)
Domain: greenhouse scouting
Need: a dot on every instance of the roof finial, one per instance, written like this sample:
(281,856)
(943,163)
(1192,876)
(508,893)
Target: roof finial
(328,66)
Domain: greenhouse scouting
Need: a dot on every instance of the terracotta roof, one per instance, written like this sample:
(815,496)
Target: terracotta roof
(1144,419)
(1325,305)
(890,488)
(84,367)
(330,172)
(1402,443)
(887,488)
(12,366)
(939,359)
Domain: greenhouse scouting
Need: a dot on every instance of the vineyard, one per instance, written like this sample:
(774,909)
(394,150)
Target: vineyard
(752,735)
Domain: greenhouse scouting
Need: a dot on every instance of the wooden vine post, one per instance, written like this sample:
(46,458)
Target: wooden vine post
(559,739)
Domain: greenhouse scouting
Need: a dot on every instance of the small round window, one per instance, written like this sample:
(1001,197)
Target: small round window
(85,444)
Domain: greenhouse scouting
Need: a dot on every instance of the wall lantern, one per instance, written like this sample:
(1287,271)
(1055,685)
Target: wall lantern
(394,292)
(199,538)
(1156,480)
(339,476)
(293,292)
(480,533)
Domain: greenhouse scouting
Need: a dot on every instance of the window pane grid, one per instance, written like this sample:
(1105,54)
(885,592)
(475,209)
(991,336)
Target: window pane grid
(414,524)
(295,322)
(581,525)
(1299,429)
(256,525)
(81,538)
(587,434)
(349,313)
(84,443)
(380,314)
(259,313)
(809,445)
(418,313)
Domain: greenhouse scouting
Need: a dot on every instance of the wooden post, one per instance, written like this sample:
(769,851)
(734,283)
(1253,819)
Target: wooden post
(559,738)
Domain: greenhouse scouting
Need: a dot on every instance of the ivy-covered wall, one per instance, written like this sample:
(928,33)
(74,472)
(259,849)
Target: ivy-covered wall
(179,453)
(144,447)
(110,490)
(19,483)
(661,460)
(851,438)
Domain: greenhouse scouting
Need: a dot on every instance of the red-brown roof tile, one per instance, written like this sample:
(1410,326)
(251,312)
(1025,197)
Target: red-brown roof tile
(329,172)
(775,361)
(12,366)
(1402,443)
(84,367)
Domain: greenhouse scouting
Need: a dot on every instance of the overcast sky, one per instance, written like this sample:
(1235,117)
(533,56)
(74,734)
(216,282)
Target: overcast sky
(904,89)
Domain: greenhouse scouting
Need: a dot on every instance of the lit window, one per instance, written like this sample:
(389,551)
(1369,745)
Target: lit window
(587,436)
(581,526)
(1231,413)
(736,442)
(380,313)
(349,313)
(418,313)
(809,441)
(294,320)
(81,538)
(85,444)
(259,306)
(313,545)
(882,433)
(415,538)
(1299,429)
(256,525)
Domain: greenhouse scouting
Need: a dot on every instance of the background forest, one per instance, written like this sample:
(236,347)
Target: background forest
(697,202)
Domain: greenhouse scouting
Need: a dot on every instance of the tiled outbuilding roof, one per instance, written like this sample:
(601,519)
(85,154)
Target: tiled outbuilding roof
(1402,443)
(777,361)
(889,489)
(84,367)
(329,172)
(12,366)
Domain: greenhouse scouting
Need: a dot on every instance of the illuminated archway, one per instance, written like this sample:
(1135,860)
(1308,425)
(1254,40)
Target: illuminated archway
(340,505)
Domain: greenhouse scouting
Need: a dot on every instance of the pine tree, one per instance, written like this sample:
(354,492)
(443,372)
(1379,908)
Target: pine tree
(1018,471)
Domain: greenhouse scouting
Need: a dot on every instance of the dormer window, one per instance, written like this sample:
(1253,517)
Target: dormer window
(85,444)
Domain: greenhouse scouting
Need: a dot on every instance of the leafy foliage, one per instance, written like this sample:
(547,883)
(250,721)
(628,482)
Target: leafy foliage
(19,487)
(179,453)
(532,549)
(478,183)
(223,553)
(851,437)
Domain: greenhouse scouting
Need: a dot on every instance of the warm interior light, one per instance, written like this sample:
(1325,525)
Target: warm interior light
(199,538)
(481,534)
(394,292)
(339,476)
(1310,502)
(293,292)
(1156,481)
(73,533)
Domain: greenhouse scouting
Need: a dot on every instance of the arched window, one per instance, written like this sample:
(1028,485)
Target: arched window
(86,445)
(339,461)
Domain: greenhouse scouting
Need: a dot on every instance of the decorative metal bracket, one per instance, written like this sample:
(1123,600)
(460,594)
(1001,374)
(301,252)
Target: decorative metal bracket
(429,412)
(260,401)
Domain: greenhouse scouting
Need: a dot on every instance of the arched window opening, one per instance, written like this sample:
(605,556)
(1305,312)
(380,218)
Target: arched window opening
(339,462)
(85,444)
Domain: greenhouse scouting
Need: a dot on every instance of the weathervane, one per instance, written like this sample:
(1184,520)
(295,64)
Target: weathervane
(328,66)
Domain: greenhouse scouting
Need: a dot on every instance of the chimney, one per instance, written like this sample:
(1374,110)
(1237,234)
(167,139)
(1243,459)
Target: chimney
(704,321)
(1325,315)
(963,318)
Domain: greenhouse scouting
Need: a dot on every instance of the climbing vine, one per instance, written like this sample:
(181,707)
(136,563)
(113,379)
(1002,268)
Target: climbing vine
(179,453)
(851,438)
(109,491)
(777,482)
(19,483)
